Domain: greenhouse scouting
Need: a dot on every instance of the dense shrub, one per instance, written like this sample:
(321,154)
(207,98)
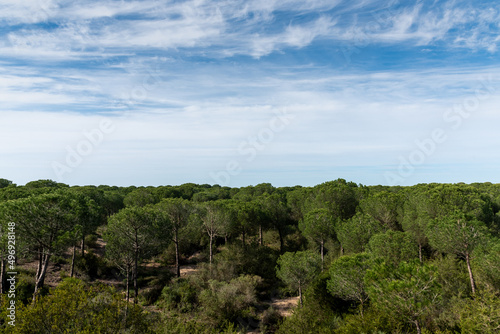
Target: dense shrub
(75,307)
(223,301)
(181,295)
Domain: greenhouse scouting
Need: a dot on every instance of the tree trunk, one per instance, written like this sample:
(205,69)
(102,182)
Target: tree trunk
(83,246)
(261,238)
(39,267)
(420,252)
(41,277)
(127,293)
(282,241)
(211,237)
(471,277)
(341,250)
(128,285)
(136,261)
(2,275)
(300,294)
(73,261)
(419,331)
(176,242)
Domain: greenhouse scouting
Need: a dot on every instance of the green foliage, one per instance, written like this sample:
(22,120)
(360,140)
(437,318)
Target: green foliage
(223,301)
(91,240)
(74,307)
(385,207)
(91,266)
(456,234)
(4,183)
(140,197)
(407,293)
(347,278)
(298,269)
(452,277)
(171,324)
(318,225)
(270,320)
(355,233)
(443,200)
(460,235)
(372,321)
(181,296)
(277,214)
(486,262)
(305,320)
(339,197)
(44,184)
(481,314)
(394,246)
(25,286)
(426,244)
(234,260)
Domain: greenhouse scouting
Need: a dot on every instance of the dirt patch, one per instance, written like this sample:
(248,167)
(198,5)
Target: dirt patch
(188,269)
(100,247)
(285,306)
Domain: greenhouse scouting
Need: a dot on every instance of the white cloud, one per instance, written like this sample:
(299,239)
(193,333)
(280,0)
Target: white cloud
(339,120)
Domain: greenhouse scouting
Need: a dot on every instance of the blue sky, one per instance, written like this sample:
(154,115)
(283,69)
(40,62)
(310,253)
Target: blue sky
(243,92)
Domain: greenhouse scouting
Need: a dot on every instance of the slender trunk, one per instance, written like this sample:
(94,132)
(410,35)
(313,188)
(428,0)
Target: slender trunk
(341,250)
(2,275)
(225,239)
(211,237)
(176,242)
(420,252)
(136,260)
(83,246)
(300,294)
(473,286)
(128,285)
(73,261)
(282,241)
(41,277)
(419,331)
(260,235)
(322,254)
(127,293)
(39,268)
(45,266)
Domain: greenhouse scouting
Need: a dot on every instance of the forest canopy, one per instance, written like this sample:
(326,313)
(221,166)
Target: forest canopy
(212,259)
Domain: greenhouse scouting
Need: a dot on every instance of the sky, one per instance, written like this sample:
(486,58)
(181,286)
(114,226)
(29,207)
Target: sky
(237,93)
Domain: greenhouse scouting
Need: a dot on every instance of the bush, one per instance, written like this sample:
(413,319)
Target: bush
(181,296)
(181,325)
(269,321)
(370,322)
(25,287)
(91,240)
(154,286)
(222,301)
(234,261)
(58,260)
(91,265)
(75,307)
(320,312)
